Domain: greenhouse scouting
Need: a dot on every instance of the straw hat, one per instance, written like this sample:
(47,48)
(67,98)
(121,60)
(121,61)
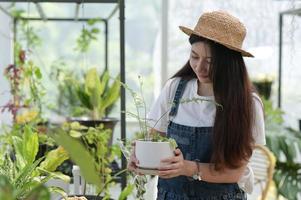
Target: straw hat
(221,27)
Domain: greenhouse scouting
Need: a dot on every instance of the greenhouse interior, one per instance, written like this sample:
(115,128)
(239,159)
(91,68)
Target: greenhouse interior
(150,99)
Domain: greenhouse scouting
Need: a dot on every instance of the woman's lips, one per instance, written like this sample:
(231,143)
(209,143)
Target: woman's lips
(203,76)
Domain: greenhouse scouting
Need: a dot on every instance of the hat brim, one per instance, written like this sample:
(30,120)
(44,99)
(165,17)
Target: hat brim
(189,31)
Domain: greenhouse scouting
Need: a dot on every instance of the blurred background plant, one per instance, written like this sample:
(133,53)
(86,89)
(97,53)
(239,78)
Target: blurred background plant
(285,143)
(22,175)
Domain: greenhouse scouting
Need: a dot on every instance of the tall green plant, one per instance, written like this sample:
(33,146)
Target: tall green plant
(97,94)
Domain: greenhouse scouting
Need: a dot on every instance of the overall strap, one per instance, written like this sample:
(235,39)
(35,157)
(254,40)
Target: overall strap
(179,93)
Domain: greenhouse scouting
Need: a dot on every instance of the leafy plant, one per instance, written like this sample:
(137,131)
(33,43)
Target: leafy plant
(93,160)
(95,96)
(87,35)
(25,77)
(284,143)
(22,175)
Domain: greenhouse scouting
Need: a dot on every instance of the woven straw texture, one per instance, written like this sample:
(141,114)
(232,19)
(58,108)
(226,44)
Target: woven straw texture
(221,27)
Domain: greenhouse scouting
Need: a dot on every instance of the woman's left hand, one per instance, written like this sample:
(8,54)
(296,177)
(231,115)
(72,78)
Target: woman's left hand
(173,166)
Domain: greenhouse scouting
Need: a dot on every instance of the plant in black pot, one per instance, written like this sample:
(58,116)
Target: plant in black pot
(88,101)
(97,96)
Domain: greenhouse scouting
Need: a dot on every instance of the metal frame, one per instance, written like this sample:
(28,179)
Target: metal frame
(281,15)
(121,7)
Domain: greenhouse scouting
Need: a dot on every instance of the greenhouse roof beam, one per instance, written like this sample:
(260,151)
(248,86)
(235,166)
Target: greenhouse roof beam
(113,12)
(62,1)
(41,12)
(292,12)
(76,12)
(58,19)
(5,11)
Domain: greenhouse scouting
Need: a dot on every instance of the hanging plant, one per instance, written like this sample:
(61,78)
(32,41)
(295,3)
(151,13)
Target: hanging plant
(87,36)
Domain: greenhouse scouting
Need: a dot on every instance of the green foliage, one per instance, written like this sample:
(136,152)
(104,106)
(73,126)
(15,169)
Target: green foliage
(284,143)
(139,180)
(126,192)
(7,191)
(79,155)
(89,149)
(94,97)
(96,94)
(87,36)
(21,174)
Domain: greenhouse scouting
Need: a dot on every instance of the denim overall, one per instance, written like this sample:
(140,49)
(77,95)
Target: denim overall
(195,144)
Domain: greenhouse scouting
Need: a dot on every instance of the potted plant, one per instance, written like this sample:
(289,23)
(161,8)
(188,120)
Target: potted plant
(90,101)
(150,146)
(97,97)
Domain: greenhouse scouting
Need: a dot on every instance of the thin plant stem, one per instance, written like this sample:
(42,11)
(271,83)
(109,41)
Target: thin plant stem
(144,106)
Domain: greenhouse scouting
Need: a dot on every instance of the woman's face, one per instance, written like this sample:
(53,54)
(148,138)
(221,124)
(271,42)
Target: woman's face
(200,61)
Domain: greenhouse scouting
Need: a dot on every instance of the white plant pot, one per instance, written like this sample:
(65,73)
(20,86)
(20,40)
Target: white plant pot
(149,154)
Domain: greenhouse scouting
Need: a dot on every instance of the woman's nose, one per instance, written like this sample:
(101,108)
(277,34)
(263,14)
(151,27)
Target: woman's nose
(201,67)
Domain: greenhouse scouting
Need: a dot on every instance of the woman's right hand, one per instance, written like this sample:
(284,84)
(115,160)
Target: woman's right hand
(133,162)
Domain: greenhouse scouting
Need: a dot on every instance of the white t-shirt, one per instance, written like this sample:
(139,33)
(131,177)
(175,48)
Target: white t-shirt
(191,116)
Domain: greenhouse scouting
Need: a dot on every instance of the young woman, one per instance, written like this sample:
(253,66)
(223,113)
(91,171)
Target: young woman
(215,142)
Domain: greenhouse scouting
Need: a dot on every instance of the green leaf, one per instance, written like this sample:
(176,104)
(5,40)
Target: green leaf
(111,95)
(30,144)
(84,98)
(93,88)
(80,156)
(75,134)
(126,192)
(26,172)
(38,73)
(105,76)
(6,189)
(54,159)
(18,145)
(39,193)
(58,190)
(95,30)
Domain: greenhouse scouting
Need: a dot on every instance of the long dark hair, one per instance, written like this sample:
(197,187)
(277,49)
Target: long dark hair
(232,131)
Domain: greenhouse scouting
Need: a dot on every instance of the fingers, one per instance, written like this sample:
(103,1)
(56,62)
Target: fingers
(169,167)
(133,163)
(177,152)
(168,173)
(173,159)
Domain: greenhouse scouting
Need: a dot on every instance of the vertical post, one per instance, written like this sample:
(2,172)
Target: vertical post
(164,43)
(280,60)
(15,23)
(122,89)
(106,44)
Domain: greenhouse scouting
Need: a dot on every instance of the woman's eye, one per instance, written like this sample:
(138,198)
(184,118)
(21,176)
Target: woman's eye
(194,57)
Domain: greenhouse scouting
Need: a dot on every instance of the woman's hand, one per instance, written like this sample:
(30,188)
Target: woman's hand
(133,162)
(173,166)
